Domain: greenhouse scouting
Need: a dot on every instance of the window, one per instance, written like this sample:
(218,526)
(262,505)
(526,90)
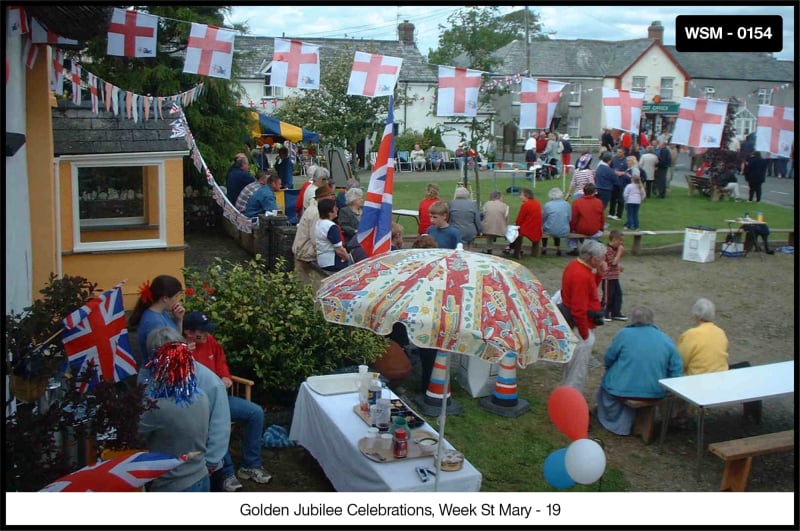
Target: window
(709,92)
(574,126)
(639,83)
(666,88)
(764,96)
(270,91)
(744,122)
(574,94)
(119,202)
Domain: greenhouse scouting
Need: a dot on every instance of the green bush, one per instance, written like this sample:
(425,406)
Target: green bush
(406,141)
(269,326)
(432,136)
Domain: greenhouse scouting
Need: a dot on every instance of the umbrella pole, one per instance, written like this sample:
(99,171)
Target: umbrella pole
(442,419)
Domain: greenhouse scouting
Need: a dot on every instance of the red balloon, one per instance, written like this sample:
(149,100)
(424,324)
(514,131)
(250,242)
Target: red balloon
(569,412)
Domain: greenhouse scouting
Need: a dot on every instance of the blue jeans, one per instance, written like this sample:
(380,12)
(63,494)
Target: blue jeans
(204,485)
(632,215)
(253,417)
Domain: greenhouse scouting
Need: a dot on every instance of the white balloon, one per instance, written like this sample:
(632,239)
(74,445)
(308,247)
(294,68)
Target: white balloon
(585,461)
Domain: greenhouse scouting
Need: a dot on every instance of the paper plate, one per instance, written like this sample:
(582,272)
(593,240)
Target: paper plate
(334,384)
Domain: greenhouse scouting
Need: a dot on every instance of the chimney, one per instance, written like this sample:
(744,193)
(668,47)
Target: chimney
(405,33)
(656,31)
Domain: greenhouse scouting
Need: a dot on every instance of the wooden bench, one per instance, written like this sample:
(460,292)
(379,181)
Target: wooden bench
(738,455)
(644,424)
(704,185)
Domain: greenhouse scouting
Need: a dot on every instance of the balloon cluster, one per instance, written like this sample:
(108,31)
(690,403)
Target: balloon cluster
(583,461)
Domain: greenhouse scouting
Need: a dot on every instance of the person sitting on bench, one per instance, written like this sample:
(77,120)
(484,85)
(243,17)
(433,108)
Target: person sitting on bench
(639,355)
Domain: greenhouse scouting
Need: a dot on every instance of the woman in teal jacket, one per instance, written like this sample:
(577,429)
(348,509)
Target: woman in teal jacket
(639,355)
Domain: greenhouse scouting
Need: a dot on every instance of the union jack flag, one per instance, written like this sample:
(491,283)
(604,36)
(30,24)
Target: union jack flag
(375,227)
(96,332)
(121,474)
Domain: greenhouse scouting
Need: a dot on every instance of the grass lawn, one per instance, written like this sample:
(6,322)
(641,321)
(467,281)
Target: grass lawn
(676,212)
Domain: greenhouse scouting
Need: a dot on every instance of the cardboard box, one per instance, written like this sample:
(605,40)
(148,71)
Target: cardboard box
(698,244)
(477,376)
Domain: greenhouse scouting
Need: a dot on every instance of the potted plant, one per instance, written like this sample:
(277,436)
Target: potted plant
(32,337)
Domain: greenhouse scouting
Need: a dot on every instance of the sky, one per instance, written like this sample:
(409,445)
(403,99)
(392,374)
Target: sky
(605,22)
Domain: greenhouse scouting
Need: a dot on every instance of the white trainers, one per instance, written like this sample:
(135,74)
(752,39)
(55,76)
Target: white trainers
(612,217)
(231,484)
(259,475)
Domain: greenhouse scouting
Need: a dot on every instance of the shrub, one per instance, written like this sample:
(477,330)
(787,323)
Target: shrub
(406,141)
(269,326)
(432,136)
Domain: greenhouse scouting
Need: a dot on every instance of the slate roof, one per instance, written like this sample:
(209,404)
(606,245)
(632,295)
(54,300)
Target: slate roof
(571,58)
(78,131)
(257,51)
(740,66)
(590,58)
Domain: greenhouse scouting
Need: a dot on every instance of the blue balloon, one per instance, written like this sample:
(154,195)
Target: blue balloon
(555,470)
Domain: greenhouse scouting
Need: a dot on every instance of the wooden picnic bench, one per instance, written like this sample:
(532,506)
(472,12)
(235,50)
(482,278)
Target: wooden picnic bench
(738,455)
(703,184)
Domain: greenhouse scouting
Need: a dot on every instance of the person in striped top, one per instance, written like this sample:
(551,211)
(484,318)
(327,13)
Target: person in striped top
(581,177)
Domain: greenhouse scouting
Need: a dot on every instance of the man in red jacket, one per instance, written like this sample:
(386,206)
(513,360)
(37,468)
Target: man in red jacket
(587,217)
(579,293)
(196,328)
(529,220)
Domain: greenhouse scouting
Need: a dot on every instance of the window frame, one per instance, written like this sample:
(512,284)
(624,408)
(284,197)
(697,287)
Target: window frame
(639,88)
(709,92)
(667,83)
(746,119)
(575,90)
(270,91)
(764,96)
(577,128)
(157,160)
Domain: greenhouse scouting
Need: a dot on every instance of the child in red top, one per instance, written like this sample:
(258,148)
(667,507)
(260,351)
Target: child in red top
(612,292)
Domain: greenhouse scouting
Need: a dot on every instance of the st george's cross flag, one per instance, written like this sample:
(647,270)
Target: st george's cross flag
(96,332)
(700,123)
(43,36)
(75,79)
(373,75)
(623,109)
(375,228)
(775,130)
(295,64)
(132,34)
(537,102)
(458,91)
(209,51)
(121,474)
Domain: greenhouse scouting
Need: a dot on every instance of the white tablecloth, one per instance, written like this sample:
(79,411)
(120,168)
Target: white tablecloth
(329,429)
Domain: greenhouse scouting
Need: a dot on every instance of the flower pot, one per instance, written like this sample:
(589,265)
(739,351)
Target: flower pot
(28,389)
(394,364)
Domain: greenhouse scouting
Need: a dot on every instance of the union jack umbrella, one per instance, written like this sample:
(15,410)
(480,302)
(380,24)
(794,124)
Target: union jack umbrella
(121,474)
(96,332)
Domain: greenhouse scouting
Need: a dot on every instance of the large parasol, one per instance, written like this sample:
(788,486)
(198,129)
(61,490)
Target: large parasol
(452,300)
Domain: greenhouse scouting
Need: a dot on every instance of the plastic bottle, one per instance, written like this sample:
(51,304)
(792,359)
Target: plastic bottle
(400,443)
(363,388)
(760,217)
(374,389)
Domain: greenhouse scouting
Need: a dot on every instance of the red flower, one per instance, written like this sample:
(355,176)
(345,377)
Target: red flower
(209,289)
(189,291)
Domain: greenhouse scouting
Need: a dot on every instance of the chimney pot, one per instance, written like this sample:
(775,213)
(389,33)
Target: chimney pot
(655,31)
(405,33)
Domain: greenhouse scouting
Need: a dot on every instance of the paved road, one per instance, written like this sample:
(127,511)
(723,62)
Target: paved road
(780,192)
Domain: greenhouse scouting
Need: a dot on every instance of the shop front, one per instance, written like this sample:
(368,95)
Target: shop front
(659,117)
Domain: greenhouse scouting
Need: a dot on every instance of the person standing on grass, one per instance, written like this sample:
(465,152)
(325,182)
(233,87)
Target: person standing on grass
(620,166)
(612,291)
(755,173)
(648,163)
(605,178)
(446,236)
(633,194)
(662,169)
(579,295)
(197,329)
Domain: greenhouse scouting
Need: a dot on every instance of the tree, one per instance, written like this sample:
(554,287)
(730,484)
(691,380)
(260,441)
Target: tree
(478,32)
(218,125)
(473,34)
(340,119)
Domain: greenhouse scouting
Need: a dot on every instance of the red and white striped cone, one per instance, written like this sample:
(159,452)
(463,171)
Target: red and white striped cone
(504,400)
(431,402)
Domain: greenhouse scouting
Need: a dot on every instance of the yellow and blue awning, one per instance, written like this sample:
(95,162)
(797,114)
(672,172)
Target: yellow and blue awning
(269,126)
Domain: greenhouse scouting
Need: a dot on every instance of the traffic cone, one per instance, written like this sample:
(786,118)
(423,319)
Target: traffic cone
(431,403)
(504,400)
